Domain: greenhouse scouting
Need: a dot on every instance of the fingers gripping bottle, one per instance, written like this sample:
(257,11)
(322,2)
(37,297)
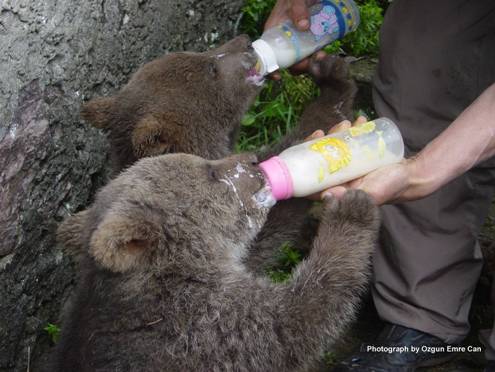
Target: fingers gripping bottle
(328,161)
(283,45)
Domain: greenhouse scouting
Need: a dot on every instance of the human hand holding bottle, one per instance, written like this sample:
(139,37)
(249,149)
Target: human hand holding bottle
(391,183)
(298,12)
(430,169)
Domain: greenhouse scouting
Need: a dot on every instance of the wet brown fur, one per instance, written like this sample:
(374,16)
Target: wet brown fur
(193,103)
(164,287)
(170,269)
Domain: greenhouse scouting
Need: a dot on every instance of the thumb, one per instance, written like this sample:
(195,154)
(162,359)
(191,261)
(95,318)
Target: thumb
(334,192)
(299,14)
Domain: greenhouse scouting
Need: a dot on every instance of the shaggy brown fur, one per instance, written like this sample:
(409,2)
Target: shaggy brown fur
(182,102)
(163,286)
(193,103)
(170,248)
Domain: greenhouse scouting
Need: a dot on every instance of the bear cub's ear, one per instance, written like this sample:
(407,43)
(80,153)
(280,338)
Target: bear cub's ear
(150,138)
(70,232)
(122,242)
(98,111)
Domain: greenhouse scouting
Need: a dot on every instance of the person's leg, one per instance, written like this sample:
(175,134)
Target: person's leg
(432,65)
(428,265)
(429,261)
(425,272)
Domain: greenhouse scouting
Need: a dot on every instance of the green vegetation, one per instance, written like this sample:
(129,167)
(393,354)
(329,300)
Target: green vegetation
(330,358)
(363,42)
(53,332)
(254,15)
(275,111)
(280,104)
(287,258)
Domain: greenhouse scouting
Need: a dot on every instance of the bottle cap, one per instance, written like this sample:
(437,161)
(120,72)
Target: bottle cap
(278,176)
(266,56)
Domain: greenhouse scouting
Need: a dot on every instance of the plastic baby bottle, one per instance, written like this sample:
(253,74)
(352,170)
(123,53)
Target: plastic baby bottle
(283,45)
(315,165)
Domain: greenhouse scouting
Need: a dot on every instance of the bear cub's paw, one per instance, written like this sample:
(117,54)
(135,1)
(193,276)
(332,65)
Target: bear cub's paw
(329,70)
(355,208)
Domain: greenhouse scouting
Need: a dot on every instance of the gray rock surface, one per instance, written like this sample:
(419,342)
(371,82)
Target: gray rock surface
(54,55)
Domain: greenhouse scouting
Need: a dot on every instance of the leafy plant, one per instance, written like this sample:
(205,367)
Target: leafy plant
(254,15)
(363,41)
(53,332)
(275,111)
(287,258)
(280,104)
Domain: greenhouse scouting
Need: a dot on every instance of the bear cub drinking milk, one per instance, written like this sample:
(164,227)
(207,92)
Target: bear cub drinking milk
(171,249)
(193,103)
(163,286)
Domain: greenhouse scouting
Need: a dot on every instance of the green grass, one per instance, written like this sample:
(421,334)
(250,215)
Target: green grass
(287,258)
(254,15)
(280,104)
(275,111)
(364,41)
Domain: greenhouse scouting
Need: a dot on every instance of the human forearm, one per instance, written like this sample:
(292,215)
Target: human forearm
(469,140)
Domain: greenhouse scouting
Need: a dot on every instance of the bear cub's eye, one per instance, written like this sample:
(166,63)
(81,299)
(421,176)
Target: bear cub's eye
(212,69)
(212,173)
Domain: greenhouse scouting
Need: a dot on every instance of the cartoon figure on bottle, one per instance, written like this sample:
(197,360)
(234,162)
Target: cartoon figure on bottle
(324,22)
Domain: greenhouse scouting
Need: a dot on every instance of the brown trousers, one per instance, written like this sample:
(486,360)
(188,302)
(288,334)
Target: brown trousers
(436,57)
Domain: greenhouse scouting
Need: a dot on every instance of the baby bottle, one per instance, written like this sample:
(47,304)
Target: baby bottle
(283,45)
(328,161)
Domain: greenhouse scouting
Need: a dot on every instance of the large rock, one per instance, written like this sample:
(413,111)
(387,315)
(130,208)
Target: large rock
(54,55)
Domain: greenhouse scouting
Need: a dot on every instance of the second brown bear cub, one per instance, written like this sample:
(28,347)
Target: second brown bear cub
(182,102)
(194,102)
(163,286)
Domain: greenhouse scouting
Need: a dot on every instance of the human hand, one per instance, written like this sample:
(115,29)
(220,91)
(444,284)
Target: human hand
(298,12)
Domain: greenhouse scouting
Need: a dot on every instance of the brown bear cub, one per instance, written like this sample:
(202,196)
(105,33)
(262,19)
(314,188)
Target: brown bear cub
(194,102)
(183,102)
(163,286)
(170,249)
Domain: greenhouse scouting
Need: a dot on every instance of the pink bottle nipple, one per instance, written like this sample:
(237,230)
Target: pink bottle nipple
(278,176)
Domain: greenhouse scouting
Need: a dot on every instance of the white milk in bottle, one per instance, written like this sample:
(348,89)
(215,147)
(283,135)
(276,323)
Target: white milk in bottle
(328,161)
(283,45)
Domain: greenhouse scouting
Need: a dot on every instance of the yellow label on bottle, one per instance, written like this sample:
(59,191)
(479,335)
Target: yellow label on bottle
(364,128)
(334,151)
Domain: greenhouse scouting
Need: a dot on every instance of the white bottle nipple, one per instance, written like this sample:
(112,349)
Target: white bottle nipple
(266,56)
